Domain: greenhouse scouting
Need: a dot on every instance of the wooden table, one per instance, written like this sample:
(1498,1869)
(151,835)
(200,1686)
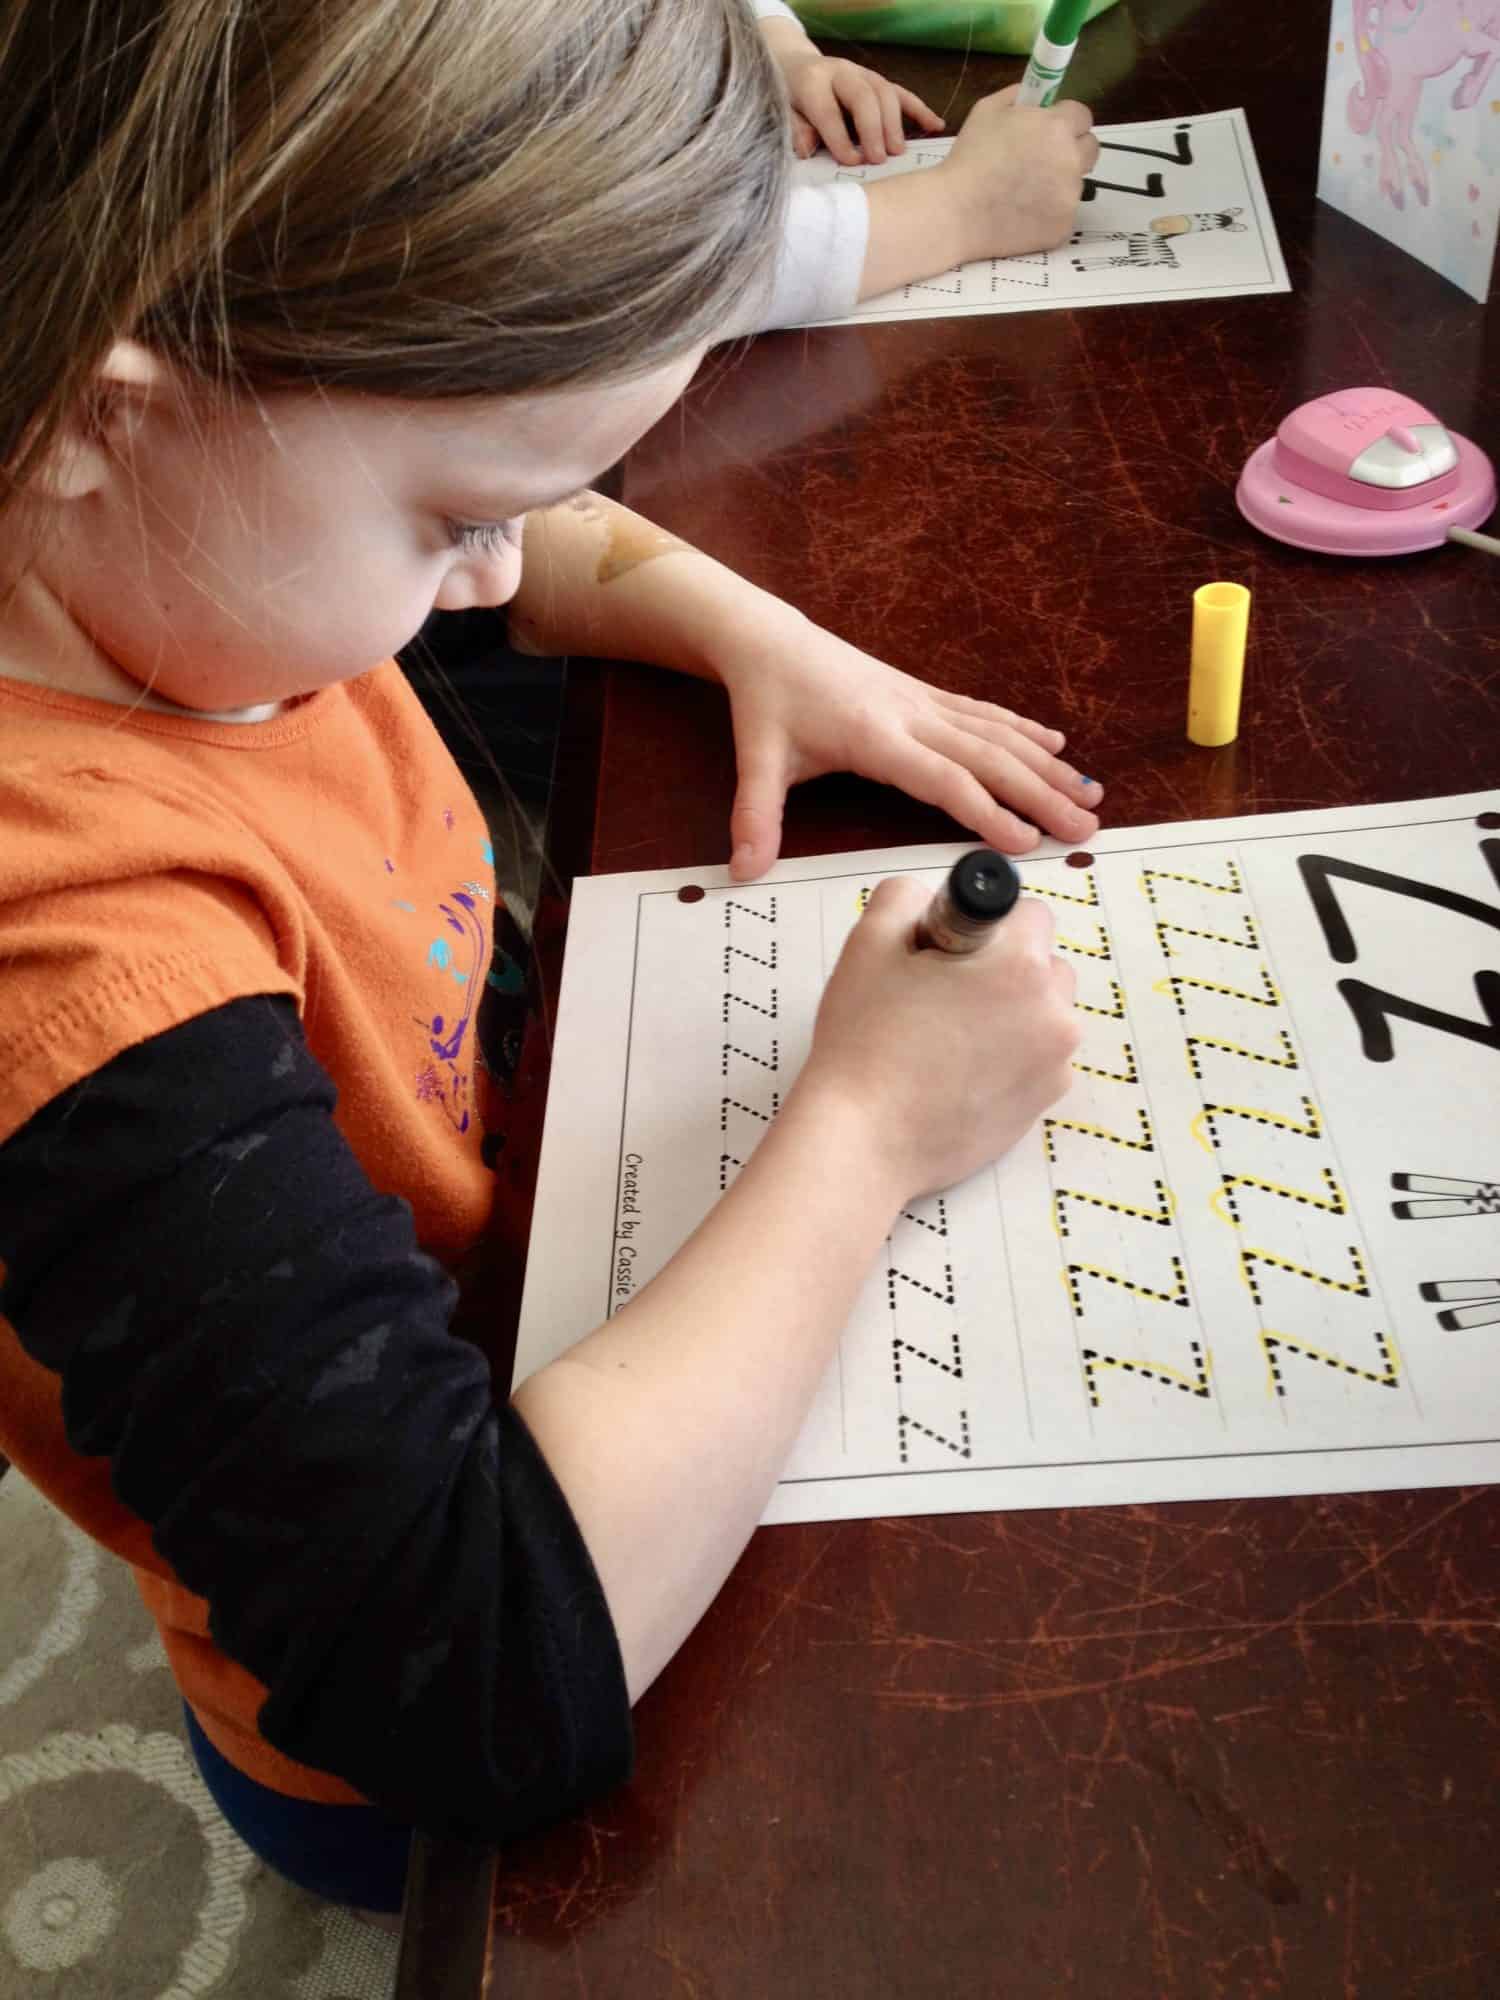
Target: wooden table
(1239,1749)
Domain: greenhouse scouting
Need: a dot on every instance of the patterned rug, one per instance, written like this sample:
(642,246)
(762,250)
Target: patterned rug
(119,1880)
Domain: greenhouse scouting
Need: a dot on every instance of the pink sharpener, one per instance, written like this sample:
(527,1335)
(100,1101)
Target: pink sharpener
(1365,472)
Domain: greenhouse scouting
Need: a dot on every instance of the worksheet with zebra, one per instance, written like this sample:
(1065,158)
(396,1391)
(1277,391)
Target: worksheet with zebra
(1254,1250)
(1175,209)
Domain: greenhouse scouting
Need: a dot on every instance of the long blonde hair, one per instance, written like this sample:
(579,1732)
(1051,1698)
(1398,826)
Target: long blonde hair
(423,198)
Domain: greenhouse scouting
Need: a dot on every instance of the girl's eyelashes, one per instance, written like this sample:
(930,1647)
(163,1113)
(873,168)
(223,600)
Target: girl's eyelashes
(487,538)
(479,538)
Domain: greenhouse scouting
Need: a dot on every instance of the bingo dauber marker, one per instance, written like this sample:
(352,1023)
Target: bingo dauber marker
(1053,51)
(981,888)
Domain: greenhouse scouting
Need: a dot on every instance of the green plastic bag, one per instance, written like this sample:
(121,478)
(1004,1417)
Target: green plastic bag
(1002,27)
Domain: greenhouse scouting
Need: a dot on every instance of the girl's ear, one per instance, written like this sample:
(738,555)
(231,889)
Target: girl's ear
(90,441)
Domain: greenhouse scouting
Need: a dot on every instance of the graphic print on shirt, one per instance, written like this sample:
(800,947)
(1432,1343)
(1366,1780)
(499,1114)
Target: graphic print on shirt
(460,950)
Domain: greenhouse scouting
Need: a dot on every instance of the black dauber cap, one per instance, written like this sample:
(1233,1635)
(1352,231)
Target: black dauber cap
(983,886)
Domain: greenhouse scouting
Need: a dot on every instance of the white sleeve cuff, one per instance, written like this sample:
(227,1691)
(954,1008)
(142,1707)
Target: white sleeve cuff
(820,261)
(766,9)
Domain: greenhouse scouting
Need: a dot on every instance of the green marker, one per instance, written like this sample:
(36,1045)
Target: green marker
(1053,50)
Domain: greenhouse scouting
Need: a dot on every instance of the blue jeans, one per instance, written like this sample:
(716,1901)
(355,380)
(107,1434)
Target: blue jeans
(345,1854)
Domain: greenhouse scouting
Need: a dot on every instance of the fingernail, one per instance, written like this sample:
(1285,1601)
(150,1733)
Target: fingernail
(742,855)
(1086,781)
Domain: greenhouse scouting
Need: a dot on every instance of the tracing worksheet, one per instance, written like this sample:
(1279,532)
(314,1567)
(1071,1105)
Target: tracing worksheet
(1254,1250)
(1175,209)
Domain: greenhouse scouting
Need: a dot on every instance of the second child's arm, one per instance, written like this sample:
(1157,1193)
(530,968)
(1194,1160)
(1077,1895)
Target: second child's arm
(1010,185)
(598,580)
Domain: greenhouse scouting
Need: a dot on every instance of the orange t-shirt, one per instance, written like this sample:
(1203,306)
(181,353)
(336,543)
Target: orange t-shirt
(154,866)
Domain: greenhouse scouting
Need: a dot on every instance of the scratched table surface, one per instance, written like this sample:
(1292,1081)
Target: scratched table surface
(1223,1749)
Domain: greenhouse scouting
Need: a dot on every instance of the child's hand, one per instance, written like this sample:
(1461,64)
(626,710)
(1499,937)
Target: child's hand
(824,88)
(805,703)
(948,1061)
(1016,172)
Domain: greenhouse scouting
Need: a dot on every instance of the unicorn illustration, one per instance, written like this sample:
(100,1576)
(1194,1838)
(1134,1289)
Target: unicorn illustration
(1400,45)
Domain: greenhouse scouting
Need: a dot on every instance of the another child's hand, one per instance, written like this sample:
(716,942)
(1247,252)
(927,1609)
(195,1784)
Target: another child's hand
(1016,174)
(805,703)
(828,93)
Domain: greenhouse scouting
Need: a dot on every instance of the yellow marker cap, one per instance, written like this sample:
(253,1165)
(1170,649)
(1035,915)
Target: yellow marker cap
(1221,620)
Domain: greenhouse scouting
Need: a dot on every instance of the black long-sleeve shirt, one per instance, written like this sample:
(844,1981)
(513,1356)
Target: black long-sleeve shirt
(251,1335)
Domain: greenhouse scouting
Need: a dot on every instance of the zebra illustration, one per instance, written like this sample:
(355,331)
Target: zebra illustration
(1150,248)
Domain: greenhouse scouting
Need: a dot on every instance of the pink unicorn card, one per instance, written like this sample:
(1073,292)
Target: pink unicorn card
(1411,129)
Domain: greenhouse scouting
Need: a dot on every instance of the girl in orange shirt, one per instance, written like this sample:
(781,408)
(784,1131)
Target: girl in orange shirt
(313,315)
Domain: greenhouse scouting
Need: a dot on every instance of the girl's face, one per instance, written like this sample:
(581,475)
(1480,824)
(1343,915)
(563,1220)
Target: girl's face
(286,544)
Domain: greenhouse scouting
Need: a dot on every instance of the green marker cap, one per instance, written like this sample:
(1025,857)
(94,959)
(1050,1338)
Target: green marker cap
(1065,19)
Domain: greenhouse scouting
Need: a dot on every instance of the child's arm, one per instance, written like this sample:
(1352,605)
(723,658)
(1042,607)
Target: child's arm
(668,1426)
(1010,185)
(823,89)
(600,580)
